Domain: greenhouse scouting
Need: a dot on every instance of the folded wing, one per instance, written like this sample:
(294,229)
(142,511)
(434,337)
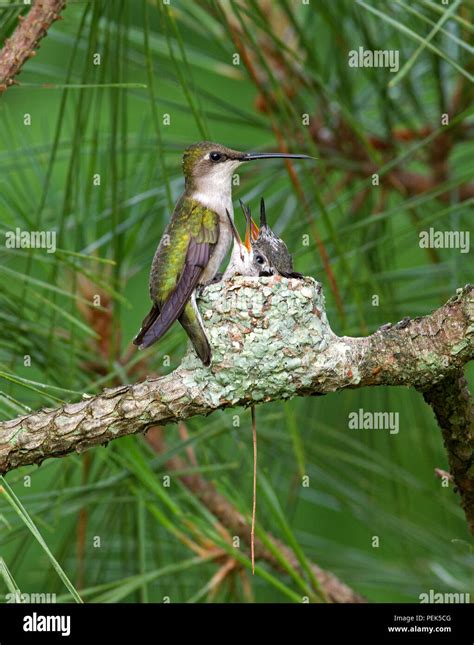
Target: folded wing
(160,318)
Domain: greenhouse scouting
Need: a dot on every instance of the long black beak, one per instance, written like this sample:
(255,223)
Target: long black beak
(263,214)
(250,156)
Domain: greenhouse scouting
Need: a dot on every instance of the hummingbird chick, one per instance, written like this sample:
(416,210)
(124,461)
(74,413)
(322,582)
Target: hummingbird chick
(273,247)
(195,242)
(245,259)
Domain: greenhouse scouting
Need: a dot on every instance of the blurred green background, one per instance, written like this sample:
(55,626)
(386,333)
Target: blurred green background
(267,75)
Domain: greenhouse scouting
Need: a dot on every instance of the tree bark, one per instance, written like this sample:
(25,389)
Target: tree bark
(452,404)
(270,340)
(24,41)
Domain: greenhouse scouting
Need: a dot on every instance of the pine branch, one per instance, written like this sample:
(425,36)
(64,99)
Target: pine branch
(271,340)
(229,516)
(452,404)
(25,40)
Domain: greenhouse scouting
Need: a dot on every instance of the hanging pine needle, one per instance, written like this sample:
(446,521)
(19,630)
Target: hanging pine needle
(254,503)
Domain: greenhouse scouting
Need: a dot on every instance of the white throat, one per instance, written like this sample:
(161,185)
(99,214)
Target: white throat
(214,189)
(215,195)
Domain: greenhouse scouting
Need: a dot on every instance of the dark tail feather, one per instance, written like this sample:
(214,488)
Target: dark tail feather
(156,330)
(193,327)
(146,324)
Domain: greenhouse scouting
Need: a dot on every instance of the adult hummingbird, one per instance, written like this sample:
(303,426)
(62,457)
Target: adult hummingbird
(195,242)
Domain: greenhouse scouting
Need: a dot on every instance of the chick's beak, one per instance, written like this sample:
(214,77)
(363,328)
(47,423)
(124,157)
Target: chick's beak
(235,233)
(248,226)
(254,230)
(248,243)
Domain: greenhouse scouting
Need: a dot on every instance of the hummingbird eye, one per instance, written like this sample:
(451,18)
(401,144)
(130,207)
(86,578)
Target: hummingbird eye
(217,156)
(260,259)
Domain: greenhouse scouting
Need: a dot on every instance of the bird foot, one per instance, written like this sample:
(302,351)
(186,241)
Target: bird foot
(200,288)
(216,278)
